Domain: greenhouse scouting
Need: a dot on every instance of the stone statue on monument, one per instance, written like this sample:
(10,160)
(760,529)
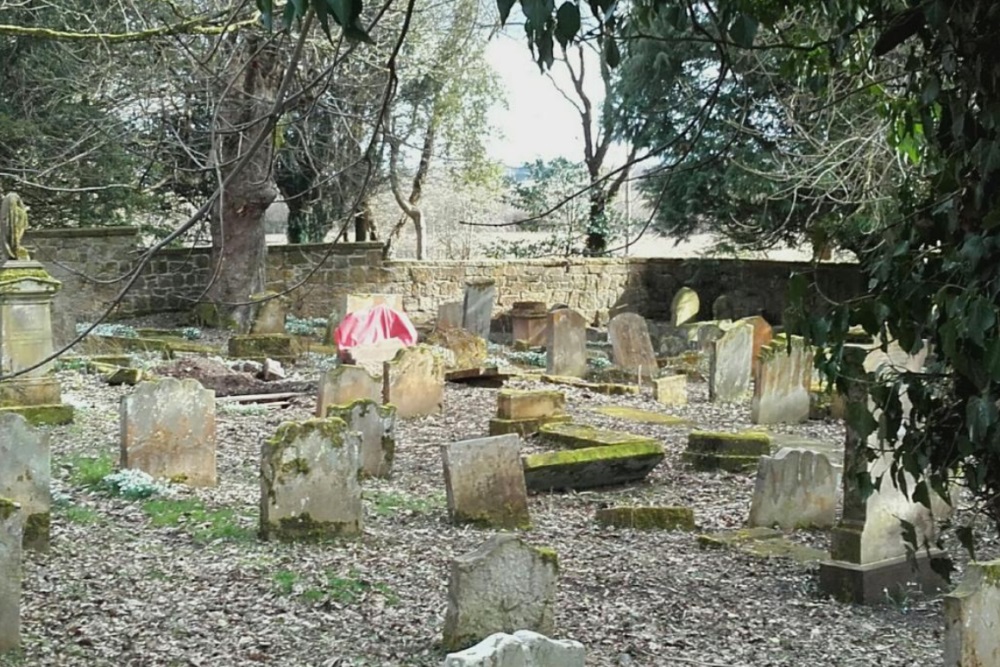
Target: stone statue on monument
(13,223)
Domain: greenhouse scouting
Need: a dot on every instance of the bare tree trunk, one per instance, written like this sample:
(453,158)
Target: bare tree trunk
(411,205)
(239,248)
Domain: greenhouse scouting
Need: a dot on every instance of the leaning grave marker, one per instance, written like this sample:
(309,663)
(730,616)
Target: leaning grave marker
(377,425)
(566,343)
(730,362)
(25,474)
(631,347)
(485,483)
(11,536)
(414,382)
(477,307)
(781,386)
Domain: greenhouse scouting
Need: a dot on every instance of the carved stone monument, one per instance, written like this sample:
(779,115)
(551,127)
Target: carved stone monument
(26,292)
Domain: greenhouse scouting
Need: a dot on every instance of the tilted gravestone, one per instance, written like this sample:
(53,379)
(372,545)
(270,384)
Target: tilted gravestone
(566,342)
(25,473)
(345,384)
(685,306)
(485,483)
(762,335)
(796,488)
(11,536)
(729,365)
(503,586)
(168,431)
(781,385)
(477,307)
(631,347)
(972,618)
(309,487)
(670,390)
(377,426)
(521,649)
(414,382)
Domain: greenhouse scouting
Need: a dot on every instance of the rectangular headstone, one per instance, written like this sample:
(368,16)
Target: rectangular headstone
(414,382)
(450,315)
(25,473)
(781,387)
(796,488)
(631,347)
(972,618)
(729,365)
(485,483)
(762,335)
(480,297)
(566,343)
(670,390)
(11,536)
(345,384)
(168,431)
(503,586)
(530,403)
(528,322)
(377,426)
(309,487)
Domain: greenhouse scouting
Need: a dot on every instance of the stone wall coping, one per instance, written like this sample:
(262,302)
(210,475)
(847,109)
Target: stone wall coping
(613,261)
(80,232)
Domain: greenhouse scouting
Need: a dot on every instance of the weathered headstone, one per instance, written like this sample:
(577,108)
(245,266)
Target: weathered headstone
(720,450)
(729,365)
(414,382)
(762,335)
(781,386)
(685,306)
(480,297)
(449,315)
(521,649)
(485,483)
(468,349)
(309,487)
(11,536)
(168,430)
(724,308)
(377,426)
(591,467)
(345,384)
(25,472)
(972,618)
(528,322)
(867,546)
(796,488)
(525,411)
(631,347)
(503,586)
(566,343)
(670,390)
(270,318)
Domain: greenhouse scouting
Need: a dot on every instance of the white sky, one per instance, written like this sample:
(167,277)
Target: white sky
(539,121)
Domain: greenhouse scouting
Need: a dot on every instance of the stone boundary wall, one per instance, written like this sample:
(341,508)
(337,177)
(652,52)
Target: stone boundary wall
(90,262)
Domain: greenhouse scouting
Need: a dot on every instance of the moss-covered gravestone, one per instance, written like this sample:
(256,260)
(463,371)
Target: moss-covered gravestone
(414,382)
(257,347)
(591,467)
(345,384)
(503,586)
(377,426)
(647,518)
(25,471)
(782,381)
(10,574)
(732,452)
(309,487)
(485,483)
(168,431)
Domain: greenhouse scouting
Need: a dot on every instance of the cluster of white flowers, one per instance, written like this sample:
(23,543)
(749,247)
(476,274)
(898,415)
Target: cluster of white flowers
(528,357)
(132,484)
(108,329)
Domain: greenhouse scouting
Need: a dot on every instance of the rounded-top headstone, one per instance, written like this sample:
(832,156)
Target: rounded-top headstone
(685,306)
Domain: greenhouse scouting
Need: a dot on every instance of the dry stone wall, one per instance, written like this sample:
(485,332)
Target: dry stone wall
(598,288)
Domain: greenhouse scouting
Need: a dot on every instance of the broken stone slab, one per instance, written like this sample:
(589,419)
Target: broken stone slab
(530,403)
(606,388)
(732,452)
(670,390)
(796,488)
(11,537)
(522,649)
(639,415)
(524,427)
(377,425)
(579,436)
(591,467)
(484,482)
(647,518)
(118,376)
(25,474)
(309,487)
(345,384)
(505,585)
(972,618)
(762,543)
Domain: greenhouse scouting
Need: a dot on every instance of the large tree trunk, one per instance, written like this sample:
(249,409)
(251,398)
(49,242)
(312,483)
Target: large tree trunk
(239,248)
(597,223)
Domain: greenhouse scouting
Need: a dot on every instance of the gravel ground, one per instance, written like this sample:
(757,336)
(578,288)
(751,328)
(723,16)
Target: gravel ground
(118,590)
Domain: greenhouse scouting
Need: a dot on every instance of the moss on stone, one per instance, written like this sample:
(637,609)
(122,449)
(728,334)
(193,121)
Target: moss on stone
(11,276)
(641,416)
(36,531)
(728,462)
(7,508)
(762,543)
(303,528)
(579,436)
(44,415)
(331,428)
(744,443)
(261,345)
(590,454)
(647,518)
(549,556)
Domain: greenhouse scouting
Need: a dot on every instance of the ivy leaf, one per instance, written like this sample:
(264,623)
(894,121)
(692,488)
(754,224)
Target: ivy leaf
(979,318)
(613,54)
(504,6)
(993,359)
(266,8)
(980,415)
(860,420)
(922,495)
(743,30)
(567,22)
(538,13)
(967,538)
(909,534)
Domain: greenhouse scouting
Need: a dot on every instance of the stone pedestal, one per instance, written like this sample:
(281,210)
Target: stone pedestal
(26,292)
(529,321)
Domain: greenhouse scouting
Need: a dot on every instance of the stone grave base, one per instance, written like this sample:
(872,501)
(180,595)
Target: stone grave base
(524,427)
(591,467)
(869,584)
(55,414)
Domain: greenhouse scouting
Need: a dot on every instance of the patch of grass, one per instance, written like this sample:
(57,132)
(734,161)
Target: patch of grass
(13,658)
(83,516)
(285,580)
(391,503)
(348,589)
(88,471)
(345,590)
(204,525)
